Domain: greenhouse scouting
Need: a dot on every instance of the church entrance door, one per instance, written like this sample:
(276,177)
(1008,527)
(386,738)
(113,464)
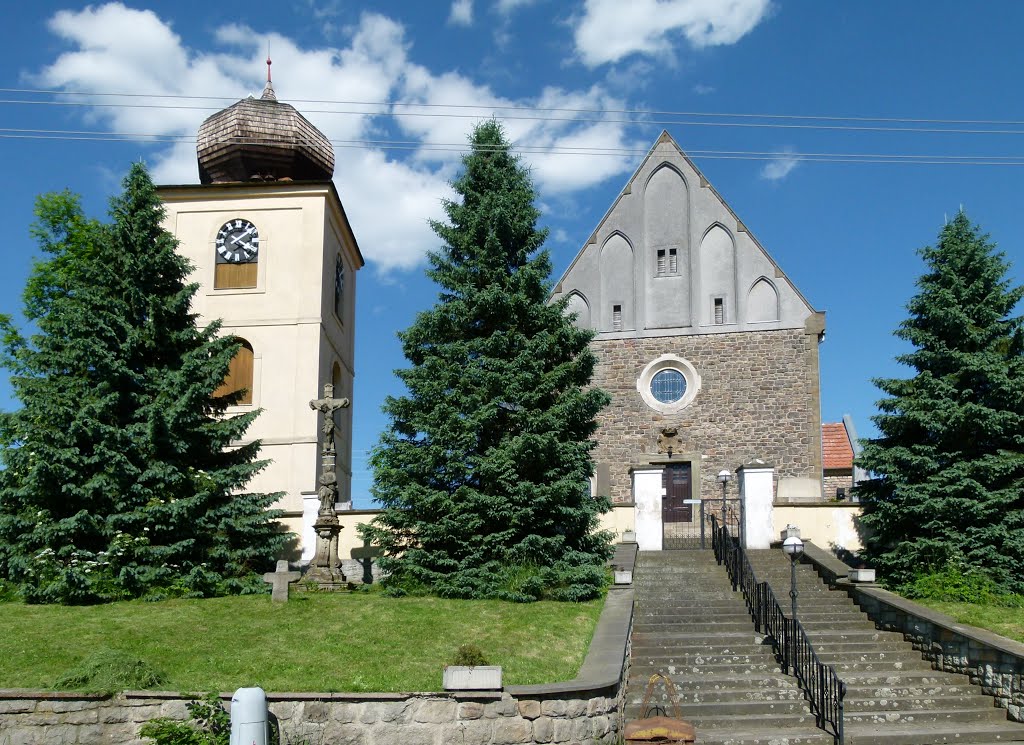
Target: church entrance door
(682,518)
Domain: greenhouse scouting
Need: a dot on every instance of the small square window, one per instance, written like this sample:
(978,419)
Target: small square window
(616,318)
(719,310)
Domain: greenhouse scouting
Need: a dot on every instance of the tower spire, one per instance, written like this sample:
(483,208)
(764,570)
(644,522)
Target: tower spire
(268,89)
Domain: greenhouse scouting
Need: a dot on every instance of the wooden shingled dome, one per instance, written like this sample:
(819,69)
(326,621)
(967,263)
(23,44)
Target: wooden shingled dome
(262,139)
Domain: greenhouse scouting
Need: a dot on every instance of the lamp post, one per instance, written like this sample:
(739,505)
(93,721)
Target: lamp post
(793,547)
(723,479)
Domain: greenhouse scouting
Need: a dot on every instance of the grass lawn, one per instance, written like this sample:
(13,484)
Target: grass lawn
(315,642)
(1008,622)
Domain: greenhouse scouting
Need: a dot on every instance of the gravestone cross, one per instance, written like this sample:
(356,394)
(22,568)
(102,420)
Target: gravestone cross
(280,580)
(327,406)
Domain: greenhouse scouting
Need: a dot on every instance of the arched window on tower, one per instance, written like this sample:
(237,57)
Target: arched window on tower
(240,374)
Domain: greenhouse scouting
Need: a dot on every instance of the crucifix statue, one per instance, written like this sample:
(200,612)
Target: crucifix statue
(327,406)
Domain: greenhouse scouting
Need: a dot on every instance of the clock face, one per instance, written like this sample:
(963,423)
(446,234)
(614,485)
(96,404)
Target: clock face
(238,242)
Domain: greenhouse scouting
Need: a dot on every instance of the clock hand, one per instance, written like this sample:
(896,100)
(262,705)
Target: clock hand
(244,234)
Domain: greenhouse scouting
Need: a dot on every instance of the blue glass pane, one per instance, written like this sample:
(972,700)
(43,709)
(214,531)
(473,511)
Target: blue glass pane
(668,386)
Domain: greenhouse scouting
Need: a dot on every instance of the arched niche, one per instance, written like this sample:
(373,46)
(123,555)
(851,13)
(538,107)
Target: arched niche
(240,374)
(717,276)
(667,246)
(577,305)
(762,302)
(617,284)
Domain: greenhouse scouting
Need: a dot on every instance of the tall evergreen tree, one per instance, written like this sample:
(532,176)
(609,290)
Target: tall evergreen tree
(483,474)
(949,464)
(120,479)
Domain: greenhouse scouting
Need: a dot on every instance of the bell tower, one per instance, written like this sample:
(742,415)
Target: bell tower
(276,260)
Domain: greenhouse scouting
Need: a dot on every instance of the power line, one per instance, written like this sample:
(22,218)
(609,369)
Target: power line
(411,145)
(523,107)
(489,111)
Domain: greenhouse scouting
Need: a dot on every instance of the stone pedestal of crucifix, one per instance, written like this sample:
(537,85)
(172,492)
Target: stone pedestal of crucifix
(325,569)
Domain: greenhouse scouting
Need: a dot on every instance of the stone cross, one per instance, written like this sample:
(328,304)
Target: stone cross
(327,406)
(280,580)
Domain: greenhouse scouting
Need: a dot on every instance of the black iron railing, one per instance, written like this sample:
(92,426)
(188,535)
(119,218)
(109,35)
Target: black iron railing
(819,682)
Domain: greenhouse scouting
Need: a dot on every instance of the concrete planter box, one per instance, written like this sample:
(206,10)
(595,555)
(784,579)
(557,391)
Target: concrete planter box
(791,531)
(629,536)
(478,678)
(862,575)
(623,576)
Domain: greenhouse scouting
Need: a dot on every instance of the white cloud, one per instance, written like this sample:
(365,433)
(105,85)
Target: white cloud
(610,30)
(780,166)
(461,13)
(701,89)
(389,194)
(508,6)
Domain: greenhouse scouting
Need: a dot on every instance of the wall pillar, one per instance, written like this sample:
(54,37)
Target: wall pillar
(647,496)
(756,498)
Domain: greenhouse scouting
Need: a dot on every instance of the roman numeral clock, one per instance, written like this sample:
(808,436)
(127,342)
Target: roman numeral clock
(238,249)
(238,242)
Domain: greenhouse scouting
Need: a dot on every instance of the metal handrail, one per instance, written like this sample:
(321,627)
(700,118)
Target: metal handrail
(820,683)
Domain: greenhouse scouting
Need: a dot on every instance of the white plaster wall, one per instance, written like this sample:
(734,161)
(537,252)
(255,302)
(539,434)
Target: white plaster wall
(288,318)
(619,519)
(830,526)
(756,493)
(647,495)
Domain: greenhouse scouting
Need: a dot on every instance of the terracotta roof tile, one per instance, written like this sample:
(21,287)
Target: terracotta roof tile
(835,447)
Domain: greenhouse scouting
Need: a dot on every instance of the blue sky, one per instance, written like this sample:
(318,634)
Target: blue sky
(844,227)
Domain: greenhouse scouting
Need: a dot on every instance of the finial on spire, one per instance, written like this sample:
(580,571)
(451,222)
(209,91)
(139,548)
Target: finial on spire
(268,89)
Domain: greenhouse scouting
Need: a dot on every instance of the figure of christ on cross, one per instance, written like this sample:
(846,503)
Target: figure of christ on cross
(327,406)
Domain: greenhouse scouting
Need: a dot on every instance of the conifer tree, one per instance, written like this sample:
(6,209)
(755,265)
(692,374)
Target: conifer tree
(483,474)
(119,480)
(948,490)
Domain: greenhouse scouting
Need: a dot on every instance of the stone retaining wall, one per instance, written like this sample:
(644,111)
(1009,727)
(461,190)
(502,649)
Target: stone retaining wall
(992,662)
(40,718)
(585,710)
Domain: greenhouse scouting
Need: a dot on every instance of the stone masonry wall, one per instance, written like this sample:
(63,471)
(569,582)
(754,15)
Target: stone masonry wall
(994,663)
(831,482)
(39,718)
(759,398)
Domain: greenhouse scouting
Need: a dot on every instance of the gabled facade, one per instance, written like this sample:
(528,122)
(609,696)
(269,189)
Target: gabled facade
(708,350)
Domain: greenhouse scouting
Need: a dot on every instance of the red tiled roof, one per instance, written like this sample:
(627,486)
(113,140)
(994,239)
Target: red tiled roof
(835,447)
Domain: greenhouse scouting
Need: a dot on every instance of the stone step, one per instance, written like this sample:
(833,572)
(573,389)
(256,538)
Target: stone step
(689,695)
(722,710)
(702,683)
(958,715)
(900,655)
(693,627)
(855,646)
(748,644)
(744,723)
(961,700)
(695,659)
(715,674)
(844,668)
(766,736)
(932,733)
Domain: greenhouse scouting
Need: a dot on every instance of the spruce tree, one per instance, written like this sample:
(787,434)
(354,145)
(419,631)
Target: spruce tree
(948,466)
(120,479)
(483,474)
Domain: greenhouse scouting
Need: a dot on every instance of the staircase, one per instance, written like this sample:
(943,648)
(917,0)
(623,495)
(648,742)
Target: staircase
(689,624)
(893,696)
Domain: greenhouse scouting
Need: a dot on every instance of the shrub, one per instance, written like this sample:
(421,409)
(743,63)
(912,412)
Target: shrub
(469,655)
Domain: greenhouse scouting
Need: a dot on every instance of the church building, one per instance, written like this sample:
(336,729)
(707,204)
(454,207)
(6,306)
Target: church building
(708,350)
(276,260)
